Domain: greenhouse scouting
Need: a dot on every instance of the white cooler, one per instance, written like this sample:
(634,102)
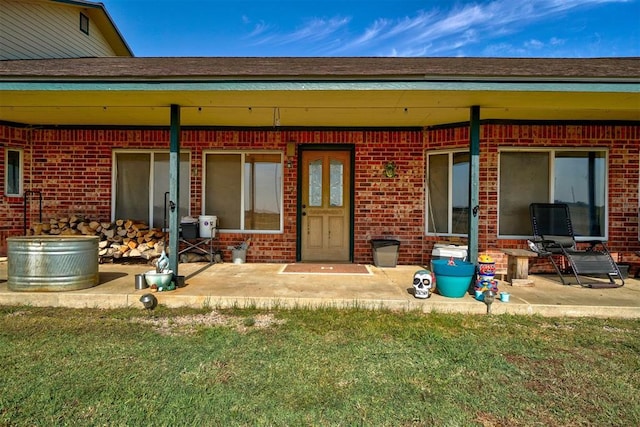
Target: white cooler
(442,251)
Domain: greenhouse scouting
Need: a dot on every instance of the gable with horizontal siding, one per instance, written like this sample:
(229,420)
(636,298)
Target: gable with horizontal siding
(38,30)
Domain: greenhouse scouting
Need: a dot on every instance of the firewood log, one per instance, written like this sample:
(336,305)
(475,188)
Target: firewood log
(138,226)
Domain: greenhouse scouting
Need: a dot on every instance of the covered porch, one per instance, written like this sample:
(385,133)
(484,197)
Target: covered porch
(266,286)
(287,97)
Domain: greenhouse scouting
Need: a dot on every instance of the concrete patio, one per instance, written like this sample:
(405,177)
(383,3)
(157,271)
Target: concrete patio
(266,286)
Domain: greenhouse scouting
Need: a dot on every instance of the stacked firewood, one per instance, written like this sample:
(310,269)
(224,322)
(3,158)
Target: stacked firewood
(118,239)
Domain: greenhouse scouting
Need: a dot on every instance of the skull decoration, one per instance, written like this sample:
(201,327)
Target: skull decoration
(423,284)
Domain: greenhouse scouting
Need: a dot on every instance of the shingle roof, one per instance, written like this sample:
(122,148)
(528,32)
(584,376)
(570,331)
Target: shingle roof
(322,68)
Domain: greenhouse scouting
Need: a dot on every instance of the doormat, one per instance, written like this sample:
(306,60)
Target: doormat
(344,269)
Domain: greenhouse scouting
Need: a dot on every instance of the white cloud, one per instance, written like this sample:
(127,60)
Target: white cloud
(534,44)
(259,29)
(313,31)
(372,33)
(503,49)
(432,32)
(316,29)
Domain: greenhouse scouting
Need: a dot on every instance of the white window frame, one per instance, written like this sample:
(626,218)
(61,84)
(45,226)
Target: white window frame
(427,217)
(114,175)
(20,152)
(551,152)
(243,154)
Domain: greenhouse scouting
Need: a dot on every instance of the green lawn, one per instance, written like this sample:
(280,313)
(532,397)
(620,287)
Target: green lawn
(314,367)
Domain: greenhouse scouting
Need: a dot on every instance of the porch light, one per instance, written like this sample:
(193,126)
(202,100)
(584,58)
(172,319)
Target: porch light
(390,170)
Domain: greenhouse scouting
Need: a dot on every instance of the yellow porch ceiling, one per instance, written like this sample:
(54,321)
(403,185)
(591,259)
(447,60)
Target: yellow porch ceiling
(401,108)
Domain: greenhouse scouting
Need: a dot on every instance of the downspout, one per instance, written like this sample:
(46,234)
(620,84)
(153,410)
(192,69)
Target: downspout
(474,181)
(174,188)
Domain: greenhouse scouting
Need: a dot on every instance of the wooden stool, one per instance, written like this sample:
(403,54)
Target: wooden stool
(518,266)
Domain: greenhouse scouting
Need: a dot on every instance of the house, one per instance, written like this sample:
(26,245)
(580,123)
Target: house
(38,29)
(314,157)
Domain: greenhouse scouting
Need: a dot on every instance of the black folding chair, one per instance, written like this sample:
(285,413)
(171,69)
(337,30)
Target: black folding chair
(553,235)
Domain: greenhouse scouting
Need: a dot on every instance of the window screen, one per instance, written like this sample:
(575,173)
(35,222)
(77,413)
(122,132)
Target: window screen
(577,178)
(524,179)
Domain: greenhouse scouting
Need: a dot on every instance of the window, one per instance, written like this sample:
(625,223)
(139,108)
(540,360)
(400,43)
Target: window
(315,183)
(141,180)
(244,190)
(13,172)
(84,23)
(577,178)
(336,183)
(448,193)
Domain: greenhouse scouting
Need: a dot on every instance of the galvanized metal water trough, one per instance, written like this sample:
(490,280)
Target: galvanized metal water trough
(52,263)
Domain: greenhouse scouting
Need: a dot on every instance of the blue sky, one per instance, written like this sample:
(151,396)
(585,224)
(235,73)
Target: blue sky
(501,28)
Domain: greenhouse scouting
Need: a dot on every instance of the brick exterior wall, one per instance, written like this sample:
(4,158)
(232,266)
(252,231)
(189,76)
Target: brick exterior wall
(11,208)
(73,170)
